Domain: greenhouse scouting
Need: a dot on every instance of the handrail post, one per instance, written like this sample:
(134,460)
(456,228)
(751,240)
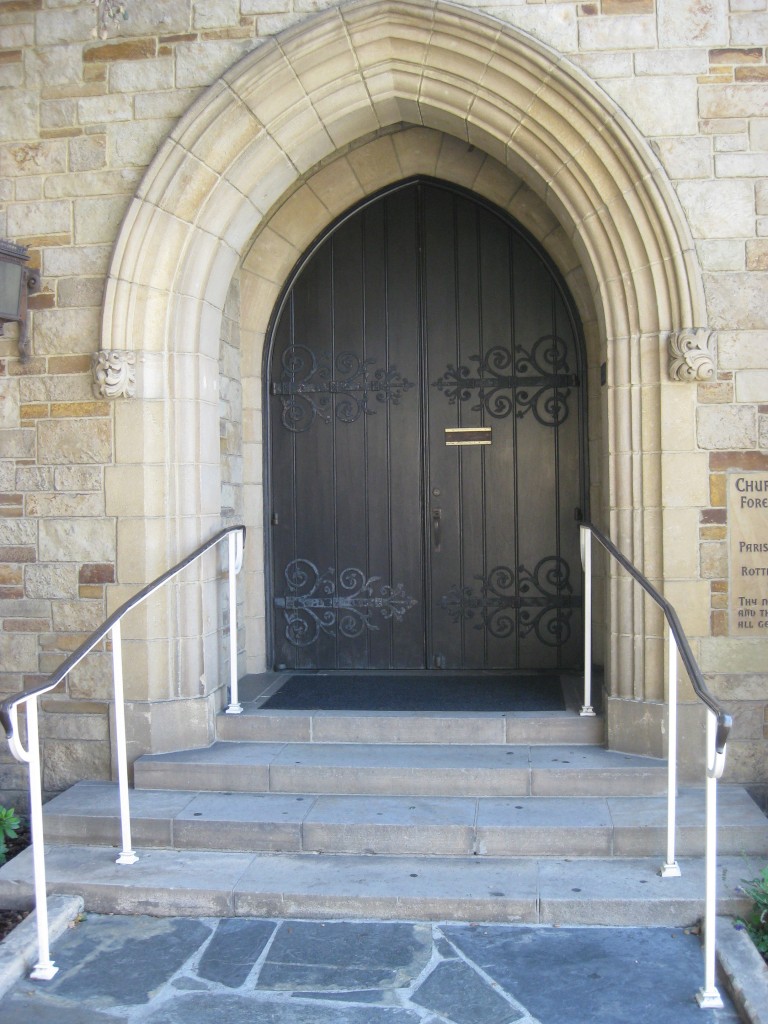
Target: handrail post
(235,544)
(670,868)
(708,996)
(585,536)
(44,969)
(127,855)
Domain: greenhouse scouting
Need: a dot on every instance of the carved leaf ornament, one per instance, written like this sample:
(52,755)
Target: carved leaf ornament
(114,374)
(690,355)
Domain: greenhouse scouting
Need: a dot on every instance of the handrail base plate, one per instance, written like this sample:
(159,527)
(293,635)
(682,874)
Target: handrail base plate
(670,870)
(709,1000)
(43,972)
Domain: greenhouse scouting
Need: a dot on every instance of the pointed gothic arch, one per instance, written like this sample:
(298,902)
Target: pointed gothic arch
(243,158)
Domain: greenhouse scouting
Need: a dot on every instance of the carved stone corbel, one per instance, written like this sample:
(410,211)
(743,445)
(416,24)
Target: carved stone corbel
(690,354)
(114,373)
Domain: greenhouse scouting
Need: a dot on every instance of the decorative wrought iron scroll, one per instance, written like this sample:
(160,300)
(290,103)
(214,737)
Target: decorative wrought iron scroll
(538,601)
(538,381)
(310,380)
(315,603)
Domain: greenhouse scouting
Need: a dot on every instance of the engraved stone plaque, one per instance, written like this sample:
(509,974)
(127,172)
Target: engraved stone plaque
(748,528)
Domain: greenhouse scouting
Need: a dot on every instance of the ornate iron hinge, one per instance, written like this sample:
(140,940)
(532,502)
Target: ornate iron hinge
(540,382)
(315,603)
(310,381)
(538,601)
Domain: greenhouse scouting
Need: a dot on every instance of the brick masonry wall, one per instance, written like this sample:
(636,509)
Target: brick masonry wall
(84,108)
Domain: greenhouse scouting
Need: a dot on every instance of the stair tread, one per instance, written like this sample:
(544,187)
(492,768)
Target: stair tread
(382,769)
(477,727)
(511,827)
(408,755)
(100,799)
(536,890)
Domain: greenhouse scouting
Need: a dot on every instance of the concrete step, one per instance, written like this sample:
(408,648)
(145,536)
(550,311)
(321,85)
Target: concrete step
(265,725)
(528,727)
(404,769)
(525,826)
(528,890)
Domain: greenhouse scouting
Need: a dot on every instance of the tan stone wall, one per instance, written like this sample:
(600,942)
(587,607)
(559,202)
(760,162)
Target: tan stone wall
(81,118)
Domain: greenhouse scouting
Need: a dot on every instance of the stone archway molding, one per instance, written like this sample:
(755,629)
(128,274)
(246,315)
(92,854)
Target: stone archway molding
(351,71)
(254,136)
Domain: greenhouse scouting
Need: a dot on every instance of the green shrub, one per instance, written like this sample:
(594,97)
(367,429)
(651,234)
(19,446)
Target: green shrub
(756,922)
(9,829)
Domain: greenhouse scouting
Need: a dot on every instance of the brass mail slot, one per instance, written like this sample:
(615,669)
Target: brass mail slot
(468,435)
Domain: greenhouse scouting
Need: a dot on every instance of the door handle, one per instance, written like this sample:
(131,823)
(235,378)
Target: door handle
(437,533)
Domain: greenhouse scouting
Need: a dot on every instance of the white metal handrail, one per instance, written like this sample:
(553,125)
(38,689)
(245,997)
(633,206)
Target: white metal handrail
(45,969)
(719,724)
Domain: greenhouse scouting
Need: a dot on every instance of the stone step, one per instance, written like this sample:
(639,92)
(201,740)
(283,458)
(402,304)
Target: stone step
(528,727)
(404,769)
(446,826)
(553,891)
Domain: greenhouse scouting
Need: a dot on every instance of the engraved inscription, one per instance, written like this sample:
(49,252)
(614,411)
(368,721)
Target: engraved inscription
(748,523)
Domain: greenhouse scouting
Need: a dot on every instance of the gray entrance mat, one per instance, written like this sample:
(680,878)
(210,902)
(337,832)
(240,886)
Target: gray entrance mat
(340,691)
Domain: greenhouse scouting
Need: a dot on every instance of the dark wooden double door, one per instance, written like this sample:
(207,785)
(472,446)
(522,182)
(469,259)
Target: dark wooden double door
(425,434)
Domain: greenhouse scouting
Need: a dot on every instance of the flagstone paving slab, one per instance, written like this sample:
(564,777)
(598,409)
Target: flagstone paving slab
(237,944)
(348,954)
(101,956)
(591,975)
(458,992)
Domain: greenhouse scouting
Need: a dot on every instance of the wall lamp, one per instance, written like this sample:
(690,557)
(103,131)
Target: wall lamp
(16,281)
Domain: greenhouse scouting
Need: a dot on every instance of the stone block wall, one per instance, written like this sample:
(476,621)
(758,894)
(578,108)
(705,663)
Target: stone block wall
(85,104)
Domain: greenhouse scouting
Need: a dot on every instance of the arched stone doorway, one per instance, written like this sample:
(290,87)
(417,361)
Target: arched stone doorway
(268,157)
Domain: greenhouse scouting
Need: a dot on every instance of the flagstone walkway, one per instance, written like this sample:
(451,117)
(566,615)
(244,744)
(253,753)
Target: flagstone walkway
(149,970)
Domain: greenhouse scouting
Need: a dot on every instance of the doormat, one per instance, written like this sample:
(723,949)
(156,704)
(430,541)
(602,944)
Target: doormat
(330,691)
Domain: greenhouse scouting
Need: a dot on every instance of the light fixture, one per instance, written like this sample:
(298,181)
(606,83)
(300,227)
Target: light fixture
(16,281)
